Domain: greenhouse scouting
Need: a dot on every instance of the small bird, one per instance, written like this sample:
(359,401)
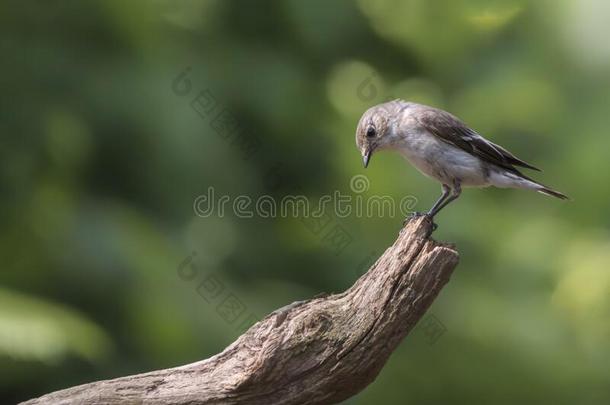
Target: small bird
(442,147)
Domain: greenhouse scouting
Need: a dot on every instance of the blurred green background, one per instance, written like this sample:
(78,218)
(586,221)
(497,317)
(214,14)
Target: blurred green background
(103,156)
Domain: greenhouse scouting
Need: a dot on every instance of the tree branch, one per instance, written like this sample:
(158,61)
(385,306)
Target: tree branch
(319,351)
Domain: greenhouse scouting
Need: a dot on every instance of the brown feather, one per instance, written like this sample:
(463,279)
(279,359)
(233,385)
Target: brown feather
(452,130)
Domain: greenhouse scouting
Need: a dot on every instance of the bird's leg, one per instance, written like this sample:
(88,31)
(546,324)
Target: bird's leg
(446,190)
(455,193)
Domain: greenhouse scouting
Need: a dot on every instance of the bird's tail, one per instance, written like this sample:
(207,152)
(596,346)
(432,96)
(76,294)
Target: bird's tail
(519,180)
(549,191)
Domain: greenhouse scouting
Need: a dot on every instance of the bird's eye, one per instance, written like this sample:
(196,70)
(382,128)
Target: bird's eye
(370,132)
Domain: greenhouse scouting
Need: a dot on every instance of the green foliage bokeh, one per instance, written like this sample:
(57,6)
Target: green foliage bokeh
(102,160)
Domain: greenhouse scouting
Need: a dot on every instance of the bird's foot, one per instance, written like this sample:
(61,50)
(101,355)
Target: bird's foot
(413,215)
(421,214)
(431,216)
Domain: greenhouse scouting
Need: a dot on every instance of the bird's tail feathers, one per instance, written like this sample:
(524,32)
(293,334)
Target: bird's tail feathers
(528,182)
(549,191)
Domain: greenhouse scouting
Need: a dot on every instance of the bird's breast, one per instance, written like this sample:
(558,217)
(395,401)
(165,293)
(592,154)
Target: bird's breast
(442,161)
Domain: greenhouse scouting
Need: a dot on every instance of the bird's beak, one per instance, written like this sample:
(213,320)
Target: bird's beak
(366,157)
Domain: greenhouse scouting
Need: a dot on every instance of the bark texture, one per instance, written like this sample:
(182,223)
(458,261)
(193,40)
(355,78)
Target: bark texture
(319,351)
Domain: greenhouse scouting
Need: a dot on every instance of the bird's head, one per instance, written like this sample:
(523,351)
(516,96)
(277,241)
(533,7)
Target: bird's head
(373,132)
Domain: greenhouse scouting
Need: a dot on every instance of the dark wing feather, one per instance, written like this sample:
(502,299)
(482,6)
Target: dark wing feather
(453,131)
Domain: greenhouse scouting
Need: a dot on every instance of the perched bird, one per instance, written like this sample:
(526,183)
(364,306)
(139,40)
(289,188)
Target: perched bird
(441,146)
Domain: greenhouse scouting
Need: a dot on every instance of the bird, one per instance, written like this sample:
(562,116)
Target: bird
(443,147)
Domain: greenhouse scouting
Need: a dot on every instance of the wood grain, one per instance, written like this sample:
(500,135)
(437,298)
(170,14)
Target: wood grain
(319,351)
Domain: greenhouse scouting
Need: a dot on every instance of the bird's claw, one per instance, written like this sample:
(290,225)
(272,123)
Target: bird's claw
(413,215)
(420,214)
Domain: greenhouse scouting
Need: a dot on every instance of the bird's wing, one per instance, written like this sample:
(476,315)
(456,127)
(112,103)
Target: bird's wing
(453,131)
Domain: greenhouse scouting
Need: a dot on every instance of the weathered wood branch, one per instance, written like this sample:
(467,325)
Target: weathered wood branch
(319,351)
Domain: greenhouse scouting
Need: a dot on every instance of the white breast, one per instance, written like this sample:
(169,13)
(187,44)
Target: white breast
(442,161)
